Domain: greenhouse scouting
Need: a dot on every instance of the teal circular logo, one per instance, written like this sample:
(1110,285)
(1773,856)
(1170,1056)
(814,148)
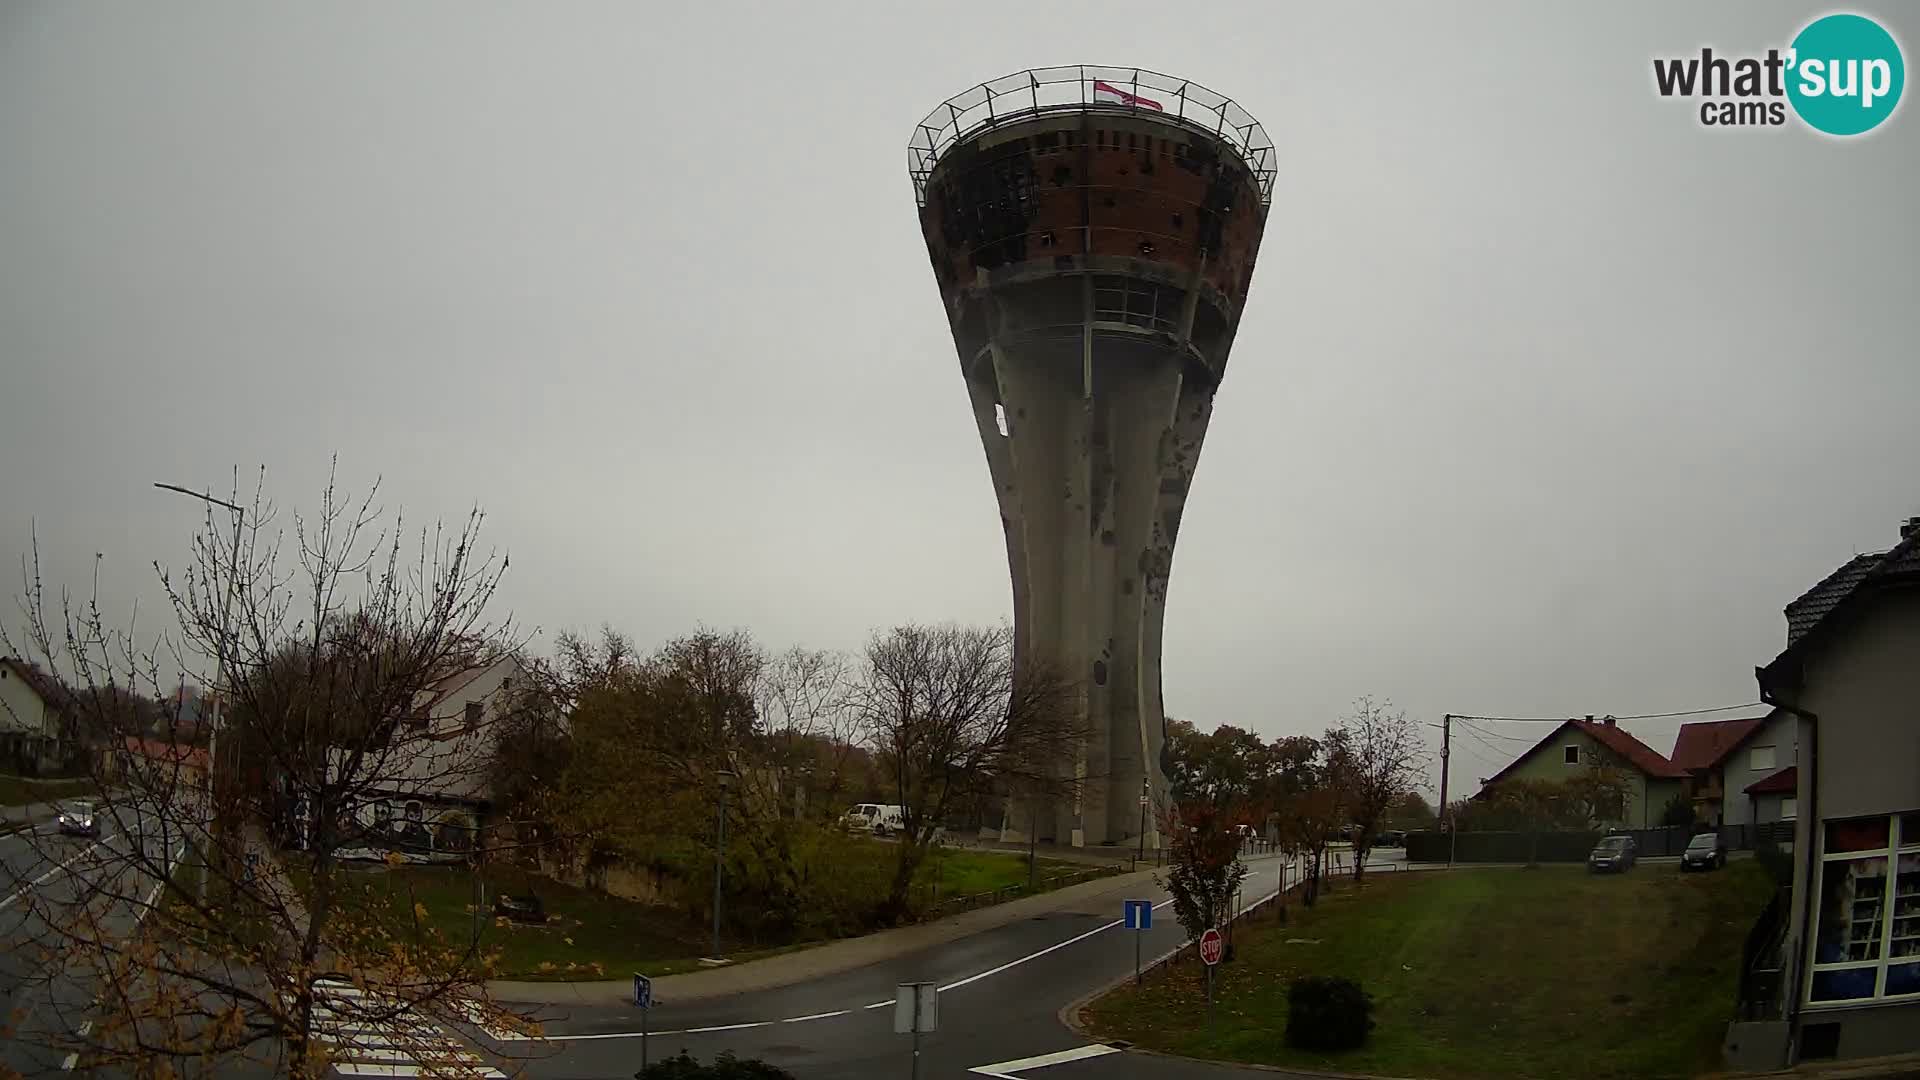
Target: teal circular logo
(1845,74)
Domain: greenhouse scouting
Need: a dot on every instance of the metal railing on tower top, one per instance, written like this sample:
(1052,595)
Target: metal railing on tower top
(1080,88)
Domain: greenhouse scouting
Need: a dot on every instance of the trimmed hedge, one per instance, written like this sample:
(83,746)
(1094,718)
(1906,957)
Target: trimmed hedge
(683,1066)
(1327,1013)
(1501,846)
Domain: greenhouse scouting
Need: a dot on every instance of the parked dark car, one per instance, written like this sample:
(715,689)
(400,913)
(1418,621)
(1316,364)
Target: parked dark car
(1615,854)
(1391,838)
(1704,852)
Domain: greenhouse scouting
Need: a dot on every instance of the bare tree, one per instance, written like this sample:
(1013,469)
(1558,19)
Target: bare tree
(193,941)
(1376,752)
(954,719)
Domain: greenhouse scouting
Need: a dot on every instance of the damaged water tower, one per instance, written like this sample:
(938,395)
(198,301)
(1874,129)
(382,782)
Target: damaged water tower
(1093,233)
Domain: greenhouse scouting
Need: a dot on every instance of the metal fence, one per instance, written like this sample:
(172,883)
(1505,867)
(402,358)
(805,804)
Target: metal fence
(1762,962)
(1084,88)
(1673,839)
(953,905)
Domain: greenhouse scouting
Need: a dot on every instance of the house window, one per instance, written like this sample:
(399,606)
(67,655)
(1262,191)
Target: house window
(1866,937)
(473,715)
(1789,808)
(1570,754)
(1760,758)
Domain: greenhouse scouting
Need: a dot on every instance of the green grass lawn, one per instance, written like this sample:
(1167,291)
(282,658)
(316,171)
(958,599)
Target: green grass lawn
(20,790)
(587,935)
(590,935)
(959,872)
(1547,972)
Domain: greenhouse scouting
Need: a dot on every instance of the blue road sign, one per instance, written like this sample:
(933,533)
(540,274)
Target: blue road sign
(1138,914)
(642,991)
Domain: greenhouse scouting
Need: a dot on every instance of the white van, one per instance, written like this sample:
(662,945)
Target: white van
(879,819)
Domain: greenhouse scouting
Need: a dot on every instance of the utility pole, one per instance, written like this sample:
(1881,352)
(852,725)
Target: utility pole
(725,778)
(1446,752)
(210,809)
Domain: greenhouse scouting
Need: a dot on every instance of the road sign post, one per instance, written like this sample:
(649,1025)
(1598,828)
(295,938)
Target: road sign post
(643,998)
(916,1008)
(1211,948)
(1138,916)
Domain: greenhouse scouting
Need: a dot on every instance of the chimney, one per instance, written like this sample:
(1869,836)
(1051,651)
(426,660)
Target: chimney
(1909,527)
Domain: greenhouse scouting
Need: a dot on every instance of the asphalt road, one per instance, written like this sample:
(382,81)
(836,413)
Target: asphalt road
(1001,993)
(43,876)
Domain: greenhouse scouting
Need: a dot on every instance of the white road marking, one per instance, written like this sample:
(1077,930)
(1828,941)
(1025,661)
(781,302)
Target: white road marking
(1003,1070)
(888,1003)
(147,905)
(67,1064)
(399,1046)
(35,883)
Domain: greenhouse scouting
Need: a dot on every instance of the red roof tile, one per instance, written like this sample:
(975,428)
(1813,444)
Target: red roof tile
(1638,754)
(1701,745)
(1784,782)
(173,753)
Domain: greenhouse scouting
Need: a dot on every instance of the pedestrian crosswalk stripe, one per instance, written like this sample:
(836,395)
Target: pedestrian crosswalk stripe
(370,1034)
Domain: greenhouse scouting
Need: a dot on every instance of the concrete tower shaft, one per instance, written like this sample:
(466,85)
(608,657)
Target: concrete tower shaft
(1093,233)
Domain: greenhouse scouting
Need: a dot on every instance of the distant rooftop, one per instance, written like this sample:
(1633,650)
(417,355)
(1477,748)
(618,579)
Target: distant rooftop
(1086,88)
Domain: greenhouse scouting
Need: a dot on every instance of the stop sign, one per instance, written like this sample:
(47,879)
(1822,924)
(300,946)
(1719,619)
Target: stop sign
(1211,947)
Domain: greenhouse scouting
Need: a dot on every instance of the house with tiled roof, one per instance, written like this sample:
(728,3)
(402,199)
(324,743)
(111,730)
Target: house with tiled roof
(1725,757)
(429,787)
(1576,745)
(33,728)
(1845,976)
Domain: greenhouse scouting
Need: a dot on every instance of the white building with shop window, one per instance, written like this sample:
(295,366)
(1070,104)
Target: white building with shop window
(1850,677)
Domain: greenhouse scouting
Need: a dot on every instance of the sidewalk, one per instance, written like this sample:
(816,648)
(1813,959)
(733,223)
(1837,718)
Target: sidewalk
(786,969)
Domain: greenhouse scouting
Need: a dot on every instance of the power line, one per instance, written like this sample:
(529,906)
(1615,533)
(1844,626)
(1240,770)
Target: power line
(1636,716)
(1483,742)
(1493,734)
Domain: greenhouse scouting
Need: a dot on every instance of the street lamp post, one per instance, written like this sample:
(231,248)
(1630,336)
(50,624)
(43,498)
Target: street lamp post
(720,855)
(220,653)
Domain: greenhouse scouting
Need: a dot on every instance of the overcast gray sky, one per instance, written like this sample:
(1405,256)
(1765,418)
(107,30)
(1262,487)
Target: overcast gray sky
(1547,398)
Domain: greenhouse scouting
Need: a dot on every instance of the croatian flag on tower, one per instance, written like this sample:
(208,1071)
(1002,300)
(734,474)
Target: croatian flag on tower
(1115,93)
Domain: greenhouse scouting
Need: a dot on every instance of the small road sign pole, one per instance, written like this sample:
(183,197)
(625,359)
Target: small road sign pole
(1211,949)
(916,1008)
(643,998)
(1137,916)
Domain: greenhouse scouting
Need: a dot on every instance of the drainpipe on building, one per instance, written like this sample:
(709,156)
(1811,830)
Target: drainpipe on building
(1806,858)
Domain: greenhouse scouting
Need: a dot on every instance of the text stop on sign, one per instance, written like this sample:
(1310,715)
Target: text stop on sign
(1211,946)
